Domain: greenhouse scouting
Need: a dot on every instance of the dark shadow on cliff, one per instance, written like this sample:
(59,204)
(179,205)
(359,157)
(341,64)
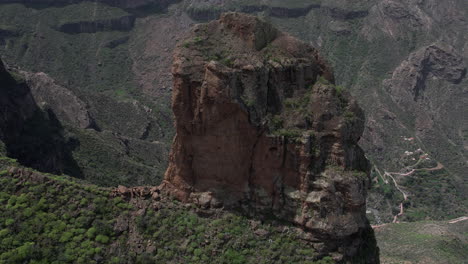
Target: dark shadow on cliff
(33,136)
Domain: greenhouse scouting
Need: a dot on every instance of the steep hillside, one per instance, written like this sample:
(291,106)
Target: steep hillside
(57,219)
(311,209)
(405,61)
(93,77)
(47,127)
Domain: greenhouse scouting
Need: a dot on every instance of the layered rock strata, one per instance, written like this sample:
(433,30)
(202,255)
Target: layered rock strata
(260,126)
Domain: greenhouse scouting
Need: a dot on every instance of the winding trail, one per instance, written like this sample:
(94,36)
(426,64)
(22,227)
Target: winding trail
(405,196)
(402,174)
(459,219)
(389,174)
(378,226)
(380,174)
(438,167)
(453,221)
(411,171)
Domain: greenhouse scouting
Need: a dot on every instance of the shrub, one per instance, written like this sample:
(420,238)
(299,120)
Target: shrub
(4,232)
(234,257)
(293,133)
(322,80)
(349,116)
(102,239)
(9,221)
(227,62)
(91,233)
(66,237)
(339,89)
(275,123)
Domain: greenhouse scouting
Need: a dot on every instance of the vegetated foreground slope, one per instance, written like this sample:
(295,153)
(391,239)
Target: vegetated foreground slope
(58,219)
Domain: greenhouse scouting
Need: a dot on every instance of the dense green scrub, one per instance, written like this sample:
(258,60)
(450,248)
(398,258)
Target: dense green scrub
(57,219)
(188,238)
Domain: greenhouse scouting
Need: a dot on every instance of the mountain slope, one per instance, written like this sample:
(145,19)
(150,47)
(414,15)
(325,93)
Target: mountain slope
(47,127)
(57,219)
(392,54)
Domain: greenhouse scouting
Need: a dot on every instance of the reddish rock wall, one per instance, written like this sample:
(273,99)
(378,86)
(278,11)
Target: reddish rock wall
(260,126)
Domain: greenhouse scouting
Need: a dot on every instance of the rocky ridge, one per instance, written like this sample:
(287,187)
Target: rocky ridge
(260,126)
(409,79)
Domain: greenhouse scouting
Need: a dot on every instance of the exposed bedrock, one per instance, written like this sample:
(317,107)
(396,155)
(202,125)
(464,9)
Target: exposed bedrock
(408,81)
(66,106)
(261,126)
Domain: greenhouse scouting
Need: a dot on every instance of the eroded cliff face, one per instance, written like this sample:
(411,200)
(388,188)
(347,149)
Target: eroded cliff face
(260,126)
(408,82)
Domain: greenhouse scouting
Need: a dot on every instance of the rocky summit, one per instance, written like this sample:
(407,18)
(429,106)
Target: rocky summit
(261,127)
